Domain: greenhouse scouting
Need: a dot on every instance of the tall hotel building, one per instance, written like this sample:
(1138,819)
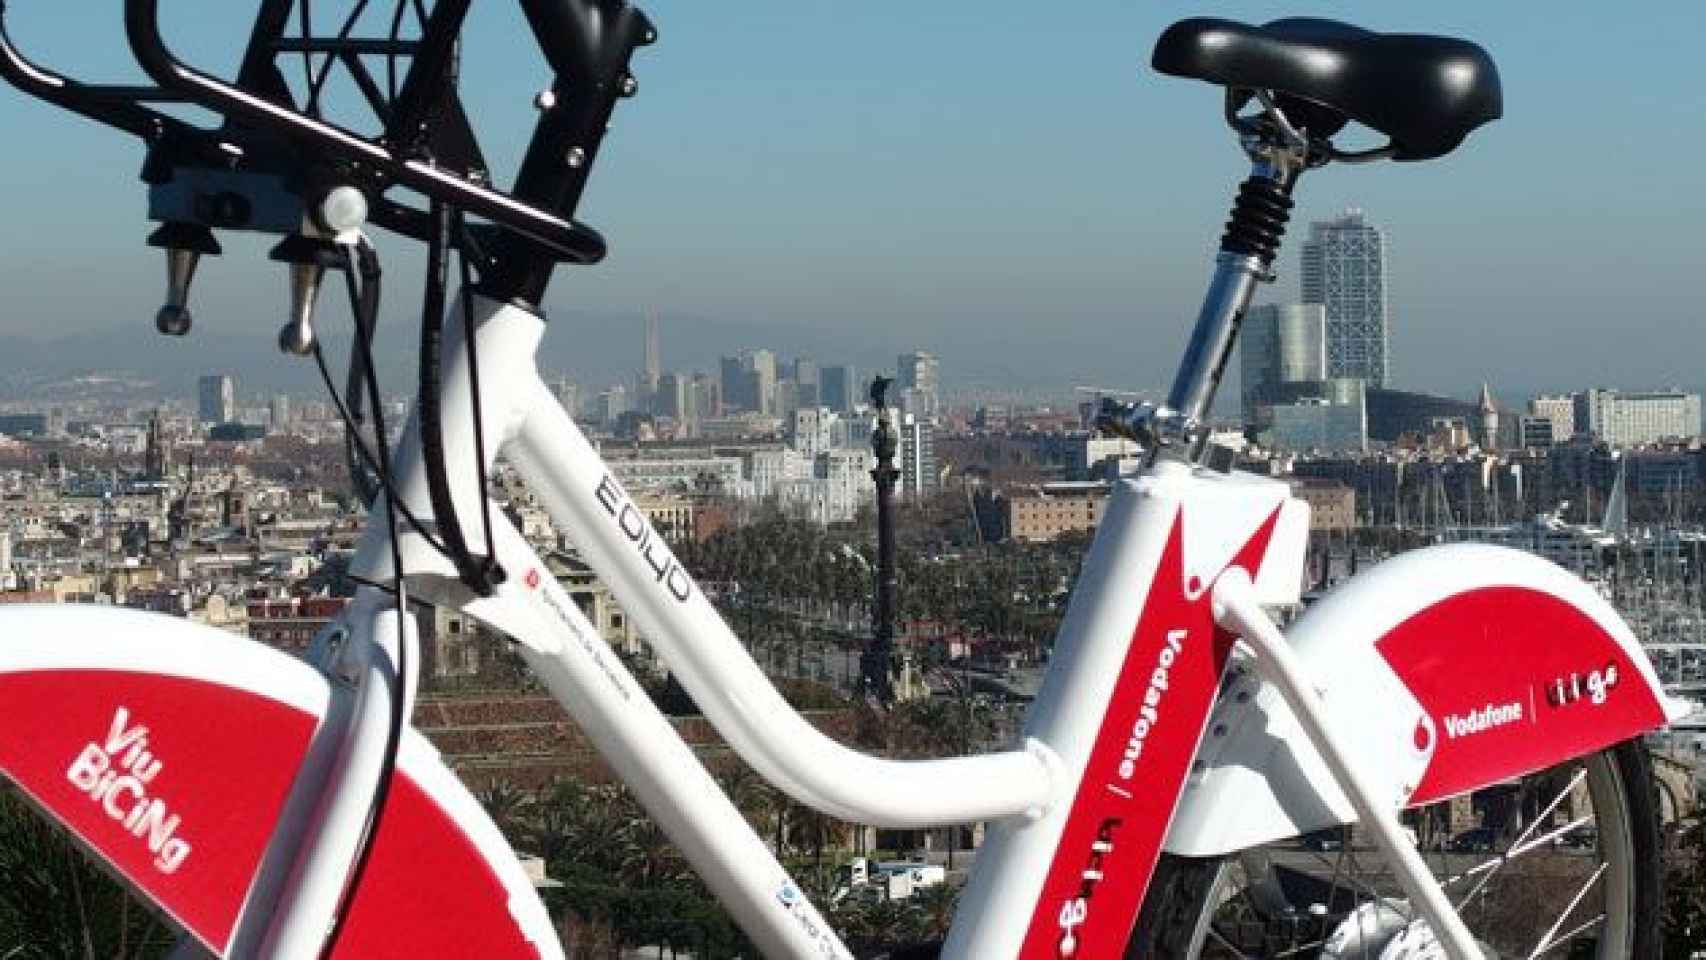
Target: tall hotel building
(1344,270)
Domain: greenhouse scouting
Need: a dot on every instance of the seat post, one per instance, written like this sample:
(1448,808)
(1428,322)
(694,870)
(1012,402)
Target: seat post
(1246,257)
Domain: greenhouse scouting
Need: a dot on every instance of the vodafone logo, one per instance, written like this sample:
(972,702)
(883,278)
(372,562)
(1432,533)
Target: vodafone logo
(1490,717)
(532,578)
(1148,715)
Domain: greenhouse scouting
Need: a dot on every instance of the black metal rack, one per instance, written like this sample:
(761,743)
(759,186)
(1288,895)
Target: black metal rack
(262,165)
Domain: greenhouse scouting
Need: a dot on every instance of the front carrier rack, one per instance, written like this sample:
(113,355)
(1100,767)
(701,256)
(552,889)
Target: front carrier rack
(275,160)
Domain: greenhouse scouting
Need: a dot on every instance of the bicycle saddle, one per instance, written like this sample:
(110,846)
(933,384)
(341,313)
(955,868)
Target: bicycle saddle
(1425,93)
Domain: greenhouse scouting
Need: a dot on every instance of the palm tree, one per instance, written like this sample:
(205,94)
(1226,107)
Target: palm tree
(816,831)
(508,807)
(935,905)
(878,923)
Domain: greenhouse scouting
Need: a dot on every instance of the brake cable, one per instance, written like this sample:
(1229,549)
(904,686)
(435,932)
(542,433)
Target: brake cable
(366,318)
(362,278)
(353,438)
(480,574)
(364,304)
(465,242)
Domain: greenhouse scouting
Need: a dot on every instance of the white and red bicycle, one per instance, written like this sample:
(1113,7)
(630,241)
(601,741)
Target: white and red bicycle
(1180,745)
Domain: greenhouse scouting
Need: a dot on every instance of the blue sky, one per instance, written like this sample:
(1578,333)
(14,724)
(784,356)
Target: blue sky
(991,179)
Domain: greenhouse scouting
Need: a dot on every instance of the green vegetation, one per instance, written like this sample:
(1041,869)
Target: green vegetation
(624,885)
(55,904)
(773,578)
(1685,893)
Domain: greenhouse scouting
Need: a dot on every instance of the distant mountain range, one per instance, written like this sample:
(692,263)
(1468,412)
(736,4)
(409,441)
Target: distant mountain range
(594,350)
(135,365)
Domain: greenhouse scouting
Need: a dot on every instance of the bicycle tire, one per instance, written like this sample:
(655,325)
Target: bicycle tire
(1208,908)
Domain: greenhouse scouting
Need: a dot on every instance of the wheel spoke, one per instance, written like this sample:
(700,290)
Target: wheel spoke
(1514,853)
(1580,774)
(1578,931)
(1557,889)
(1497,865)
(1545,941)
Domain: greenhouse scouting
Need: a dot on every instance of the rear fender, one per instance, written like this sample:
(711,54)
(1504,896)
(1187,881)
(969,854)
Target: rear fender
(1444,670)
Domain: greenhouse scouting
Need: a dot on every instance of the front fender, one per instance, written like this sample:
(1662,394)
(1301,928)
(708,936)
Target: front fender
(189,759)
(1444,669)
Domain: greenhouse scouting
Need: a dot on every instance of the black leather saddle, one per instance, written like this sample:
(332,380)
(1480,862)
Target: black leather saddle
(1425,93)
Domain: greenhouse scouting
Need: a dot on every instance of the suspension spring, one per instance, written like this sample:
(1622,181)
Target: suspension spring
(1259,216)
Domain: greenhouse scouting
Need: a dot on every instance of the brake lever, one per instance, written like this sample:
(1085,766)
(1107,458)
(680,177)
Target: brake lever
(575,242)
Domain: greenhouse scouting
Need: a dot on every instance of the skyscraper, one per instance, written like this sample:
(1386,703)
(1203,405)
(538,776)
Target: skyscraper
(784,398)
(707,396)
(217,394)
(807,392)
(838,388)
(569,396)
(762,363)
(1344,270)
(917,377)
(612,404)
(654,352)
(1280,344)
(1489,419)
(749,382)
(734,384)
(671,398)
(917,461)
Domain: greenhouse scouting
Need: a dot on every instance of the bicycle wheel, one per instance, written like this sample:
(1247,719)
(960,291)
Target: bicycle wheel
(1563,863)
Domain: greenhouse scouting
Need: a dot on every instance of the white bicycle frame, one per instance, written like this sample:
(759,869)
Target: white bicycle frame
(1174,715)
(1181,567)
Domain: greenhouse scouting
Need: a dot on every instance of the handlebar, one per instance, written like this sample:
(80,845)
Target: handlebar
(116,106)
(257,170)
(574,241)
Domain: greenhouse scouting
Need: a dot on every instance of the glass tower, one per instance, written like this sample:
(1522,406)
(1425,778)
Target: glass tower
(1344,270)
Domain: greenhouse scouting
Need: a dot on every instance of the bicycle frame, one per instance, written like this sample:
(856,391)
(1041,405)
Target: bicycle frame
(1027,785)
(1109,743)
(1343,722)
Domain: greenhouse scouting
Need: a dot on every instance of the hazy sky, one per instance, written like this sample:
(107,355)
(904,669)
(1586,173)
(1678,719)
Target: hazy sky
(1003,182)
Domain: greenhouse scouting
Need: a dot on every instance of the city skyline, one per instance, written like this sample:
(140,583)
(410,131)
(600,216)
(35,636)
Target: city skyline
(1501,246)
(256,389)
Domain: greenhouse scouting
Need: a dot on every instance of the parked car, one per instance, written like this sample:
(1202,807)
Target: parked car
(1475,840)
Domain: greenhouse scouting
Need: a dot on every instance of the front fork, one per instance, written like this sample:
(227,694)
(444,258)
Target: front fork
(360,652)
